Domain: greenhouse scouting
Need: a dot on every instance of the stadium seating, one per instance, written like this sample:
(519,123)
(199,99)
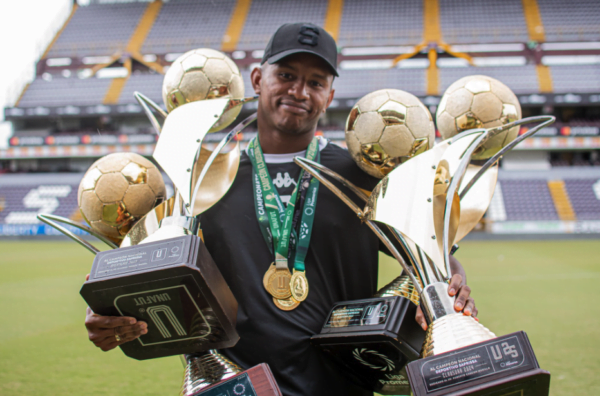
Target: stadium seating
(528,200)
(521,79)
(474,21)
(381,23)
(148,84)
(351,84)
(357,83)
(265,16)
(65,91)
(570,21)
(97,30)
(576,78)
(186,24)
(585,198)
(354,84)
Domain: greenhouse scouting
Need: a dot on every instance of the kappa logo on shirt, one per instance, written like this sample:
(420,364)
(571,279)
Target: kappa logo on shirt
(283,181)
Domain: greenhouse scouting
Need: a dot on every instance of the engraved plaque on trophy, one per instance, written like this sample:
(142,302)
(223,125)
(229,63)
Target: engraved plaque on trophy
(502,366)
(211,374)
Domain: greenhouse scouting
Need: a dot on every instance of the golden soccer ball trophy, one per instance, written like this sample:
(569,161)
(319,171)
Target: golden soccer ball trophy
(479,102)
(386,128)
(203,74)
(118,190)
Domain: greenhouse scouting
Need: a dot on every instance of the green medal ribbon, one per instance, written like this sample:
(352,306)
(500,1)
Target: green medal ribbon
(276,221)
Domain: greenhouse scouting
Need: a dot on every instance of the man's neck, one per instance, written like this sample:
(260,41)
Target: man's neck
(276,142)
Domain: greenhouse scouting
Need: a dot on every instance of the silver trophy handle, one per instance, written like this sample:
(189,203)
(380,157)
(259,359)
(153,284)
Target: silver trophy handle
(464,163)
(145,101)
(547,120)
(306,164)
(452,188)
(53,221)
(309,166)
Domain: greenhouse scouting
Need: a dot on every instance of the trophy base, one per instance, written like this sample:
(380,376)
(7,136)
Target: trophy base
(373,340)
(257,381)
(503,366)
(175,287)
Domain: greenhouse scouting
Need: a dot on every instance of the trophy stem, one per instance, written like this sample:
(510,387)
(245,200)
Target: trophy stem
(401,287)
(173,227)
(205,369)
(386,241)
(452,332)
(448,330)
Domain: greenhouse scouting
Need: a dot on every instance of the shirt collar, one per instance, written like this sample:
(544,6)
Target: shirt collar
(289,157)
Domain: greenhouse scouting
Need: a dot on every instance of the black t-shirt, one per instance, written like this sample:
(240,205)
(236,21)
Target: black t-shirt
(341,265)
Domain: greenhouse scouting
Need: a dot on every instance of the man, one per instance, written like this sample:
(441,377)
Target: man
(294,85)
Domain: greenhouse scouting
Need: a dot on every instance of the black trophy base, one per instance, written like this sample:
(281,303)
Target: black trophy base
(373,340)
(175,287)
(504,366)
(257,381)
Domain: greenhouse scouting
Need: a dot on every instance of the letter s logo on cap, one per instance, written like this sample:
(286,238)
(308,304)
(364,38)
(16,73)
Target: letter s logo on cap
(308,35)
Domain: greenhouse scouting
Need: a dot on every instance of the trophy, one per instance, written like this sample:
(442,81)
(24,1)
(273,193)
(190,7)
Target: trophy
(427,204)
(162,273)
(373,339)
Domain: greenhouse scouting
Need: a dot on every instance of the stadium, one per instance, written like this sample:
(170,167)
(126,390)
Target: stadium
(531,260)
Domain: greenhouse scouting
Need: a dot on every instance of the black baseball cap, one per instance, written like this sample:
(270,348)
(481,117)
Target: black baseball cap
(294,38)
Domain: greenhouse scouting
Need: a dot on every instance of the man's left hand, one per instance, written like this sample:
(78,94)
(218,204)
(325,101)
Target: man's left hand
(457,287)
(464,302)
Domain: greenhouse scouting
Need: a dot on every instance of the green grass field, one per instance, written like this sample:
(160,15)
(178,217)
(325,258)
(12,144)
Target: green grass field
(546,288)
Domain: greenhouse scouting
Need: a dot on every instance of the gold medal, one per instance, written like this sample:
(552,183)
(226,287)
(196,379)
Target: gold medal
(287,304)
(269,272)
(278,284)
(299,286)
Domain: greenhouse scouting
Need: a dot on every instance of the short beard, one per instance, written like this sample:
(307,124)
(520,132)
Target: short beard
(297,131)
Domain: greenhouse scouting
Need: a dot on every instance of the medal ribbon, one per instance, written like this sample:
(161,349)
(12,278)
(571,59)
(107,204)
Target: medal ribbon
(276,221)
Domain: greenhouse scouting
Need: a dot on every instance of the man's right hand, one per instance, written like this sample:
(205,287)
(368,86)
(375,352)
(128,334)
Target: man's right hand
(103,330)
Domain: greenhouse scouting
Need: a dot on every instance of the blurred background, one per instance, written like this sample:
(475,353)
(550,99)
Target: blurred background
(68,73)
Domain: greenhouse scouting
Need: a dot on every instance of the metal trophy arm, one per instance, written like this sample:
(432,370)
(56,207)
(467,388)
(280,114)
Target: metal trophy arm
(452,189)
(345,182)
(464,163)
(239,102)
(309,166)
(176,207)
(386,241)
(52,219)
(145,101)
(548,120)
(185,128)
(238,128)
